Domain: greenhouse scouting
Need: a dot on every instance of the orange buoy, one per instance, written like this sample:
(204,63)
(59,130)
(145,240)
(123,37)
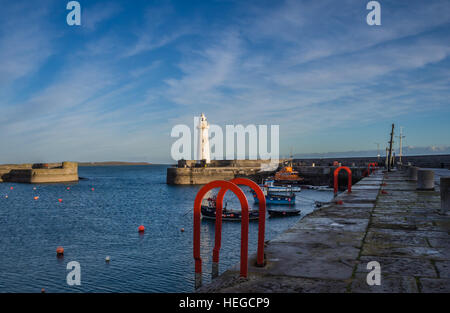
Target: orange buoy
(35,198)
(60,200)
(42,290)
(92,189)
(182,230)
(141,228)
(11,188)
(68,188)
(60,251)
(340,202)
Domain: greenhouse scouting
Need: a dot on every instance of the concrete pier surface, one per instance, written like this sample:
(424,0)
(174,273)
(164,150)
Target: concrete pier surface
(384,219)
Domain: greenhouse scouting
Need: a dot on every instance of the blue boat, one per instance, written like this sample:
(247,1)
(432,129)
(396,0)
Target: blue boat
(287,197)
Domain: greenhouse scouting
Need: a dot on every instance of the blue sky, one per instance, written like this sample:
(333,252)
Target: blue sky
(113,88)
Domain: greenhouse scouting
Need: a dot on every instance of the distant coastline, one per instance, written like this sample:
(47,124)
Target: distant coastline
(112,163)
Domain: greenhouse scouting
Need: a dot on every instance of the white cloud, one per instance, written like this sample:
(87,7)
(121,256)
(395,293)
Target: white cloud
(95,15)
(308,66)
(23,48)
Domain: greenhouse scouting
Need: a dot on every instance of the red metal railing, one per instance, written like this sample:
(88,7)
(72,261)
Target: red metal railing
(225,186)
(261,225)
(373,165)
(336,173)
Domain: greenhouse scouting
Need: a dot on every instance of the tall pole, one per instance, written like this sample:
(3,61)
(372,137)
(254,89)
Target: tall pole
(378,151)
(387,158)
(400,145)
(390,148)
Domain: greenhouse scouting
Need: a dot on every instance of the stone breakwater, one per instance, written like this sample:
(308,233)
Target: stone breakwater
(39,173)
(186,173)
(201,176)
(384,219)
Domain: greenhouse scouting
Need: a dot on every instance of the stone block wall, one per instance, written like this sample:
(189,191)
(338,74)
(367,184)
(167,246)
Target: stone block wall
(27,173)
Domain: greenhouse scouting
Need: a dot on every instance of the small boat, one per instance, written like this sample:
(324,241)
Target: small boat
(270,184)
(287,197)
(283,213)
(208,209)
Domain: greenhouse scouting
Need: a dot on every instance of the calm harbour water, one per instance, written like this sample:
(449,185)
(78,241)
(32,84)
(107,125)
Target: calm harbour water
(91,225)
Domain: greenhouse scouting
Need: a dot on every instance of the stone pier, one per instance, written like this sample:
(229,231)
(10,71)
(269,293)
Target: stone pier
(384,219)
(39,173)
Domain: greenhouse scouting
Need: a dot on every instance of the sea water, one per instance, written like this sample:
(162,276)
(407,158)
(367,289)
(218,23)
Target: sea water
(99,216)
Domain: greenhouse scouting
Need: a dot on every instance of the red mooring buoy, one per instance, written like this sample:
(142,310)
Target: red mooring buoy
(60,200)
(141,228)
(60,251)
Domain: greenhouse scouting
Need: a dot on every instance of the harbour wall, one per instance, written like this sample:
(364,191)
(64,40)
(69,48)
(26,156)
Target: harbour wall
(201,176)
(424,161)
(187,174)
(324,175)
(39,173)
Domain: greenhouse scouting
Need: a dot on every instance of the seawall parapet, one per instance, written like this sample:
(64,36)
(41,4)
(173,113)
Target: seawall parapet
(189,172)
(200,176)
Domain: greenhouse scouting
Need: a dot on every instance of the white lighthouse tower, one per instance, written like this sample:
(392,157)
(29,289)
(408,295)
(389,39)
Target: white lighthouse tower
(203,139)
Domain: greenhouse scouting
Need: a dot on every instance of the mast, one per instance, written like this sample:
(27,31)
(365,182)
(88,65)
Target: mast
(387,158)
(390,148)
(291,157)
(400,145)
(378,151)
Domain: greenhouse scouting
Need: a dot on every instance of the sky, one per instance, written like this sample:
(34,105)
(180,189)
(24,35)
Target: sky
(115,86)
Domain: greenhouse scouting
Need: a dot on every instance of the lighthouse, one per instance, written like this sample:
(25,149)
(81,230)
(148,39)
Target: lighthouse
(203,139)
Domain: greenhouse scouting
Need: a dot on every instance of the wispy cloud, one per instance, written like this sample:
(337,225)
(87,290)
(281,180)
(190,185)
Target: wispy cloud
(25,41)
(96,14)
(158,30)
(116,86)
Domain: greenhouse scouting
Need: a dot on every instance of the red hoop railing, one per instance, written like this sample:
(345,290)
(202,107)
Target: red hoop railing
(224,185)
(261,225)
(373,165)
(336,173)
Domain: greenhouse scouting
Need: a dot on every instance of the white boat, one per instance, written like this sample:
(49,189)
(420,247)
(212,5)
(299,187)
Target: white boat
(270,185)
